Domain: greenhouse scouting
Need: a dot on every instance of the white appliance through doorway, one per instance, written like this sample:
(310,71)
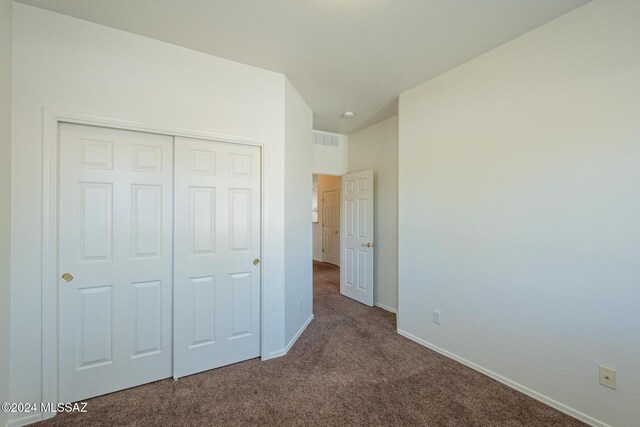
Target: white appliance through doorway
(116,257)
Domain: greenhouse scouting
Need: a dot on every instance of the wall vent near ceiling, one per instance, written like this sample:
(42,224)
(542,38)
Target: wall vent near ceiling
(326,139)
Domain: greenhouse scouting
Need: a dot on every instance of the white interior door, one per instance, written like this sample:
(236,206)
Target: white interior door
(217,251)
(356,272)
(331,227)
(115,246)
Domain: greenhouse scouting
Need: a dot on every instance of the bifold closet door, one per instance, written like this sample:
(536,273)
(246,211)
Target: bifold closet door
(217,255)
(115,260)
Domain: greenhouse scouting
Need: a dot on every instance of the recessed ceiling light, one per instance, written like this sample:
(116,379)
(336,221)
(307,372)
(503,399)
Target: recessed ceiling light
(348,114)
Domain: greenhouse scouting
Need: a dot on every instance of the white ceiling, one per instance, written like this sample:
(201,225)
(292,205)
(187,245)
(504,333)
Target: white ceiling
(341,55)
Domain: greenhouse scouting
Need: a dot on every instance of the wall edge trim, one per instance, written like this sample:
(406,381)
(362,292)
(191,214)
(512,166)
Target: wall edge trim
(284,351)
(385,307)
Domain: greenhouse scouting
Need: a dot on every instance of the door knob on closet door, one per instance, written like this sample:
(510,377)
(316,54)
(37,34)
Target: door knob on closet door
(256,261)
(67,277)
(367,245)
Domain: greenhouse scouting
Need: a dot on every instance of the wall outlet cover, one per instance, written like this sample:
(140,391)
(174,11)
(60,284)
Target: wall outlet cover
(607,377)
(436,317)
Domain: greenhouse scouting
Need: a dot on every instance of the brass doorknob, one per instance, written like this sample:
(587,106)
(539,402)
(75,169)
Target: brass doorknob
(367,245)
(67,277)
(256,261)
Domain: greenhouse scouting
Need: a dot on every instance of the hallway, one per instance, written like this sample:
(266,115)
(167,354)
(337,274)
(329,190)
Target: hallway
(348,368)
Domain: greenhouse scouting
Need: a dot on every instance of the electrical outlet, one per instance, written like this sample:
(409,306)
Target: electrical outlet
(299,303)
(436,317)
(607,377)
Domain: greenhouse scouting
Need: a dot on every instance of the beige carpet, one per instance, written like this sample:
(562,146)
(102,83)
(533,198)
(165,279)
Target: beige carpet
(348,368)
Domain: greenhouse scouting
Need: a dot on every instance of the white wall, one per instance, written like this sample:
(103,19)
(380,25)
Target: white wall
(68,63)
(376,147)
(328,160)
(298,178)
(325,183)
(6,41)
(519,210)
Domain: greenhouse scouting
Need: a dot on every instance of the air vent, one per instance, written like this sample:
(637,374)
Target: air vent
(326,139)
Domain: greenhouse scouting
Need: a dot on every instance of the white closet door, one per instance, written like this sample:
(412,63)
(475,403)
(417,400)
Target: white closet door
(217,251)
(115,247)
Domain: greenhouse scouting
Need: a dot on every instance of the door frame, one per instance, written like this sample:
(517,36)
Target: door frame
(52,117)
(337,188)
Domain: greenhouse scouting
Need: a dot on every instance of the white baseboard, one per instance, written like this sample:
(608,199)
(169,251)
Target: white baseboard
(385,307)
(29,419)
(273,355)
(506,381)
(280,353)
(297,335)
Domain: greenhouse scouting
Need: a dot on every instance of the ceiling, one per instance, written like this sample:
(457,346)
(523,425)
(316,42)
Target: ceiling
(341,55)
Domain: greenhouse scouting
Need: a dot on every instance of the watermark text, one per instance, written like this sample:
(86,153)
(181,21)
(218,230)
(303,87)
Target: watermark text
(44,407)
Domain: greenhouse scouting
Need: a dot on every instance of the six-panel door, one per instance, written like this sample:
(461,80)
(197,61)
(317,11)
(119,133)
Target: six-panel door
(217,251)
(356,272)
(115,243)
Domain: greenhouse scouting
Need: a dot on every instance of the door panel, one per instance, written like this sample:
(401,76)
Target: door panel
(96,211)
(240,219)
(95,320)
(202,218)
(241,285)
(203,310)
(116,221)
(356,276)
(148,317)
(146,220)
(217,238)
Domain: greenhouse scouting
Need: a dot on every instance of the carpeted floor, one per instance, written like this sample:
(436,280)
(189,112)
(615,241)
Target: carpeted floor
(348,368)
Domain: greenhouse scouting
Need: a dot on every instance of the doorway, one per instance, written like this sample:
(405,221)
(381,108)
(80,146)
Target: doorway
(350,249)
(326,219)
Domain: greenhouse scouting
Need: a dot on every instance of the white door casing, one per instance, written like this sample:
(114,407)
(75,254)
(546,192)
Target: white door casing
(115,238)
(356,272)
(331,226)
(217,251)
